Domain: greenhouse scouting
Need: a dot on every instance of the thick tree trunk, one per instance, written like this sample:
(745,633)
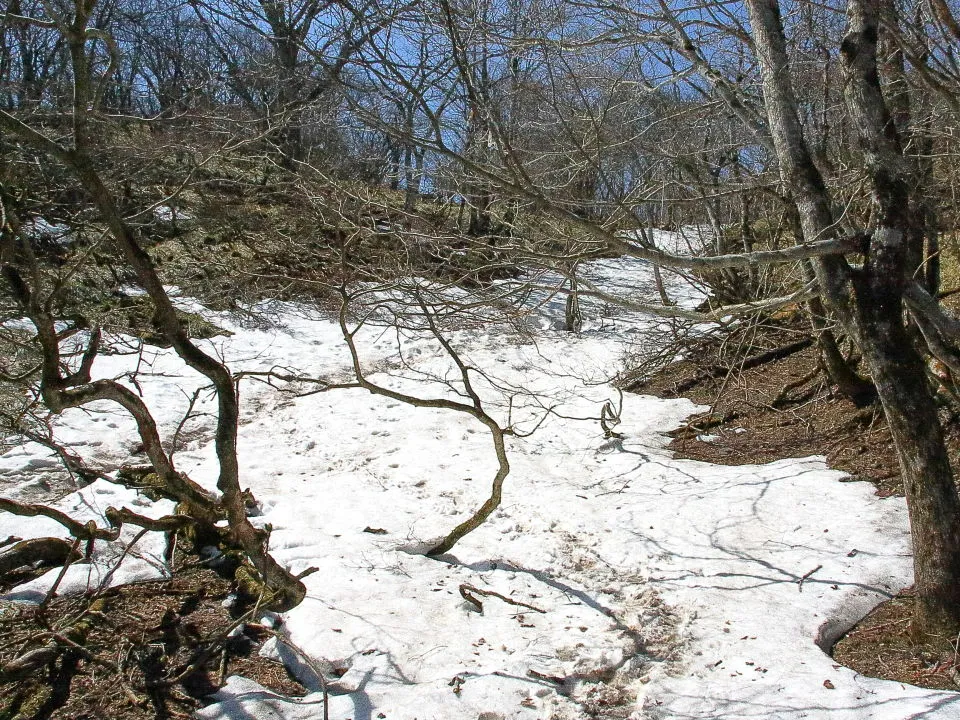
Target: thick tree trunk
(911,414)
(859,390)
(910,409)
(868,301)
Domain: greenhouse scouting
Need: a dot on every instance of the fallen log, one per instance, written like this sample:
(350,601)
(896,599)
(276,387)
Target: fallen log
(717,371)
(712,372)
(36,552)
(700,424)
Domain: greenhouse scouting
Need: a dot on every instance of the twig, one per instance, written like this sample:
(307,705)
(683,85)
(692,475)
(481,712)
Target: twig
(468,591)
(220,641)
(548,678)
(123,556)
(310,664)
(954,675)
(781,398)
(801,580)
(63,571)
(206,652)
(175,442)
(89,656)
(222,671)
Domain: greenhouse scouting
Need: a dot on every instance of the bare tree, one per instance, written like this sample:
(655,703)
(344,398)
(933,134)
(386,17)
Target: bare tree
(283,57)
(869,299)
(863,249)
(812,145)
(63,387)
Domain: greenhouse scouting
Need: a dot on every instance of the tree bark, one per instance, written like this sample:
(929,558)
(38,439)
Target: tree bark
(932,501)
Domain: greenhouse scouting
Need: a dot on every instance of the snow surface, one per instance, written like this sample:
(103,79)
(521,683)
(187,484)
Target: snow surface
(668,588)
(115,563)
(40,229)
(168,213)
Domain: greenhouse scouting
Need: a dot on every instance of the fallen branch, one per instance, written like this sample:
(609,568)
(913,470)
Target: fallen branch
(548,678)
(71,556)
(701,424)
(82,531)
(43,551)
(28,663)
(753,361)
(468,593)
(801,580)
(73,637)
(781,399)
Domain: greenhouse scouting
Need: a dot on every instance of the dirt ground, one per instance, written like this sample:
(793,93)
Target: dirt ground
(145,651)
(784,408)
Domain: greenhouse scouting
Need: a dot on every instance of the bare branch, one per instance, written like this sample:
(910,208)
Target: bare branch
(82,531)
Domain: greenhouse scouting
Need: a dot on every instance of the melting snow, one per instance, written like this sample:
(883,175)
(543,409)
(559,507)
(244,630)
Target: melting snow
(619,580)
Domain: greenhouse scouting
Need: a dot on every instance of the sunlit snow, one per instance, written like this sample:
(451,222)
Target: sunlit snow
(668,588)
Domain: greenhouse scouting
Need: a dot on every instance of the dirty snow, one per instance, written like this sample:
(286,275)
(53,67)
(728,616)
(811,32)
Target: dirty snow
(645,586)
(38,229)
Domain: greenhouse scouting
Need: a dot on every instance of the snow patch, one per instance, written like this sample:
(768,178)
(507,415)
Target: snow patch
(670,587)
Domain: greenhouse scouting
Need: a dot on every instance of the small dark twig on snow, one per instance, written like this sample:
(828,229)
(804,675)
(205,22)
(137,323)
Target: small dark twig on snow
(469,593)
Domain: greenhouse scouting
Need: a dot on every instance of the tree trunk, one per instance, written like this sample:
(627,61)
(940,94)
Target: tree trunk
(859,390)
(910,408)
(911,414)
(868,300)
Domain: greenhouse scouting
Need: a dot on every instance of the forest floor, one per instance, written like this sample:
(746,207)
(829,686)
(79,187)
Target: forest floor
(784,408)
(149,650)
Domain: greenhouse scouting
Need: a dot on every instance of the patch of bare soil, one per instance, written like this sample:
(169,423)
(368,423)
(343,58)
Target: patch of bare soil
(768,400)
(881,646)
(138,652)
